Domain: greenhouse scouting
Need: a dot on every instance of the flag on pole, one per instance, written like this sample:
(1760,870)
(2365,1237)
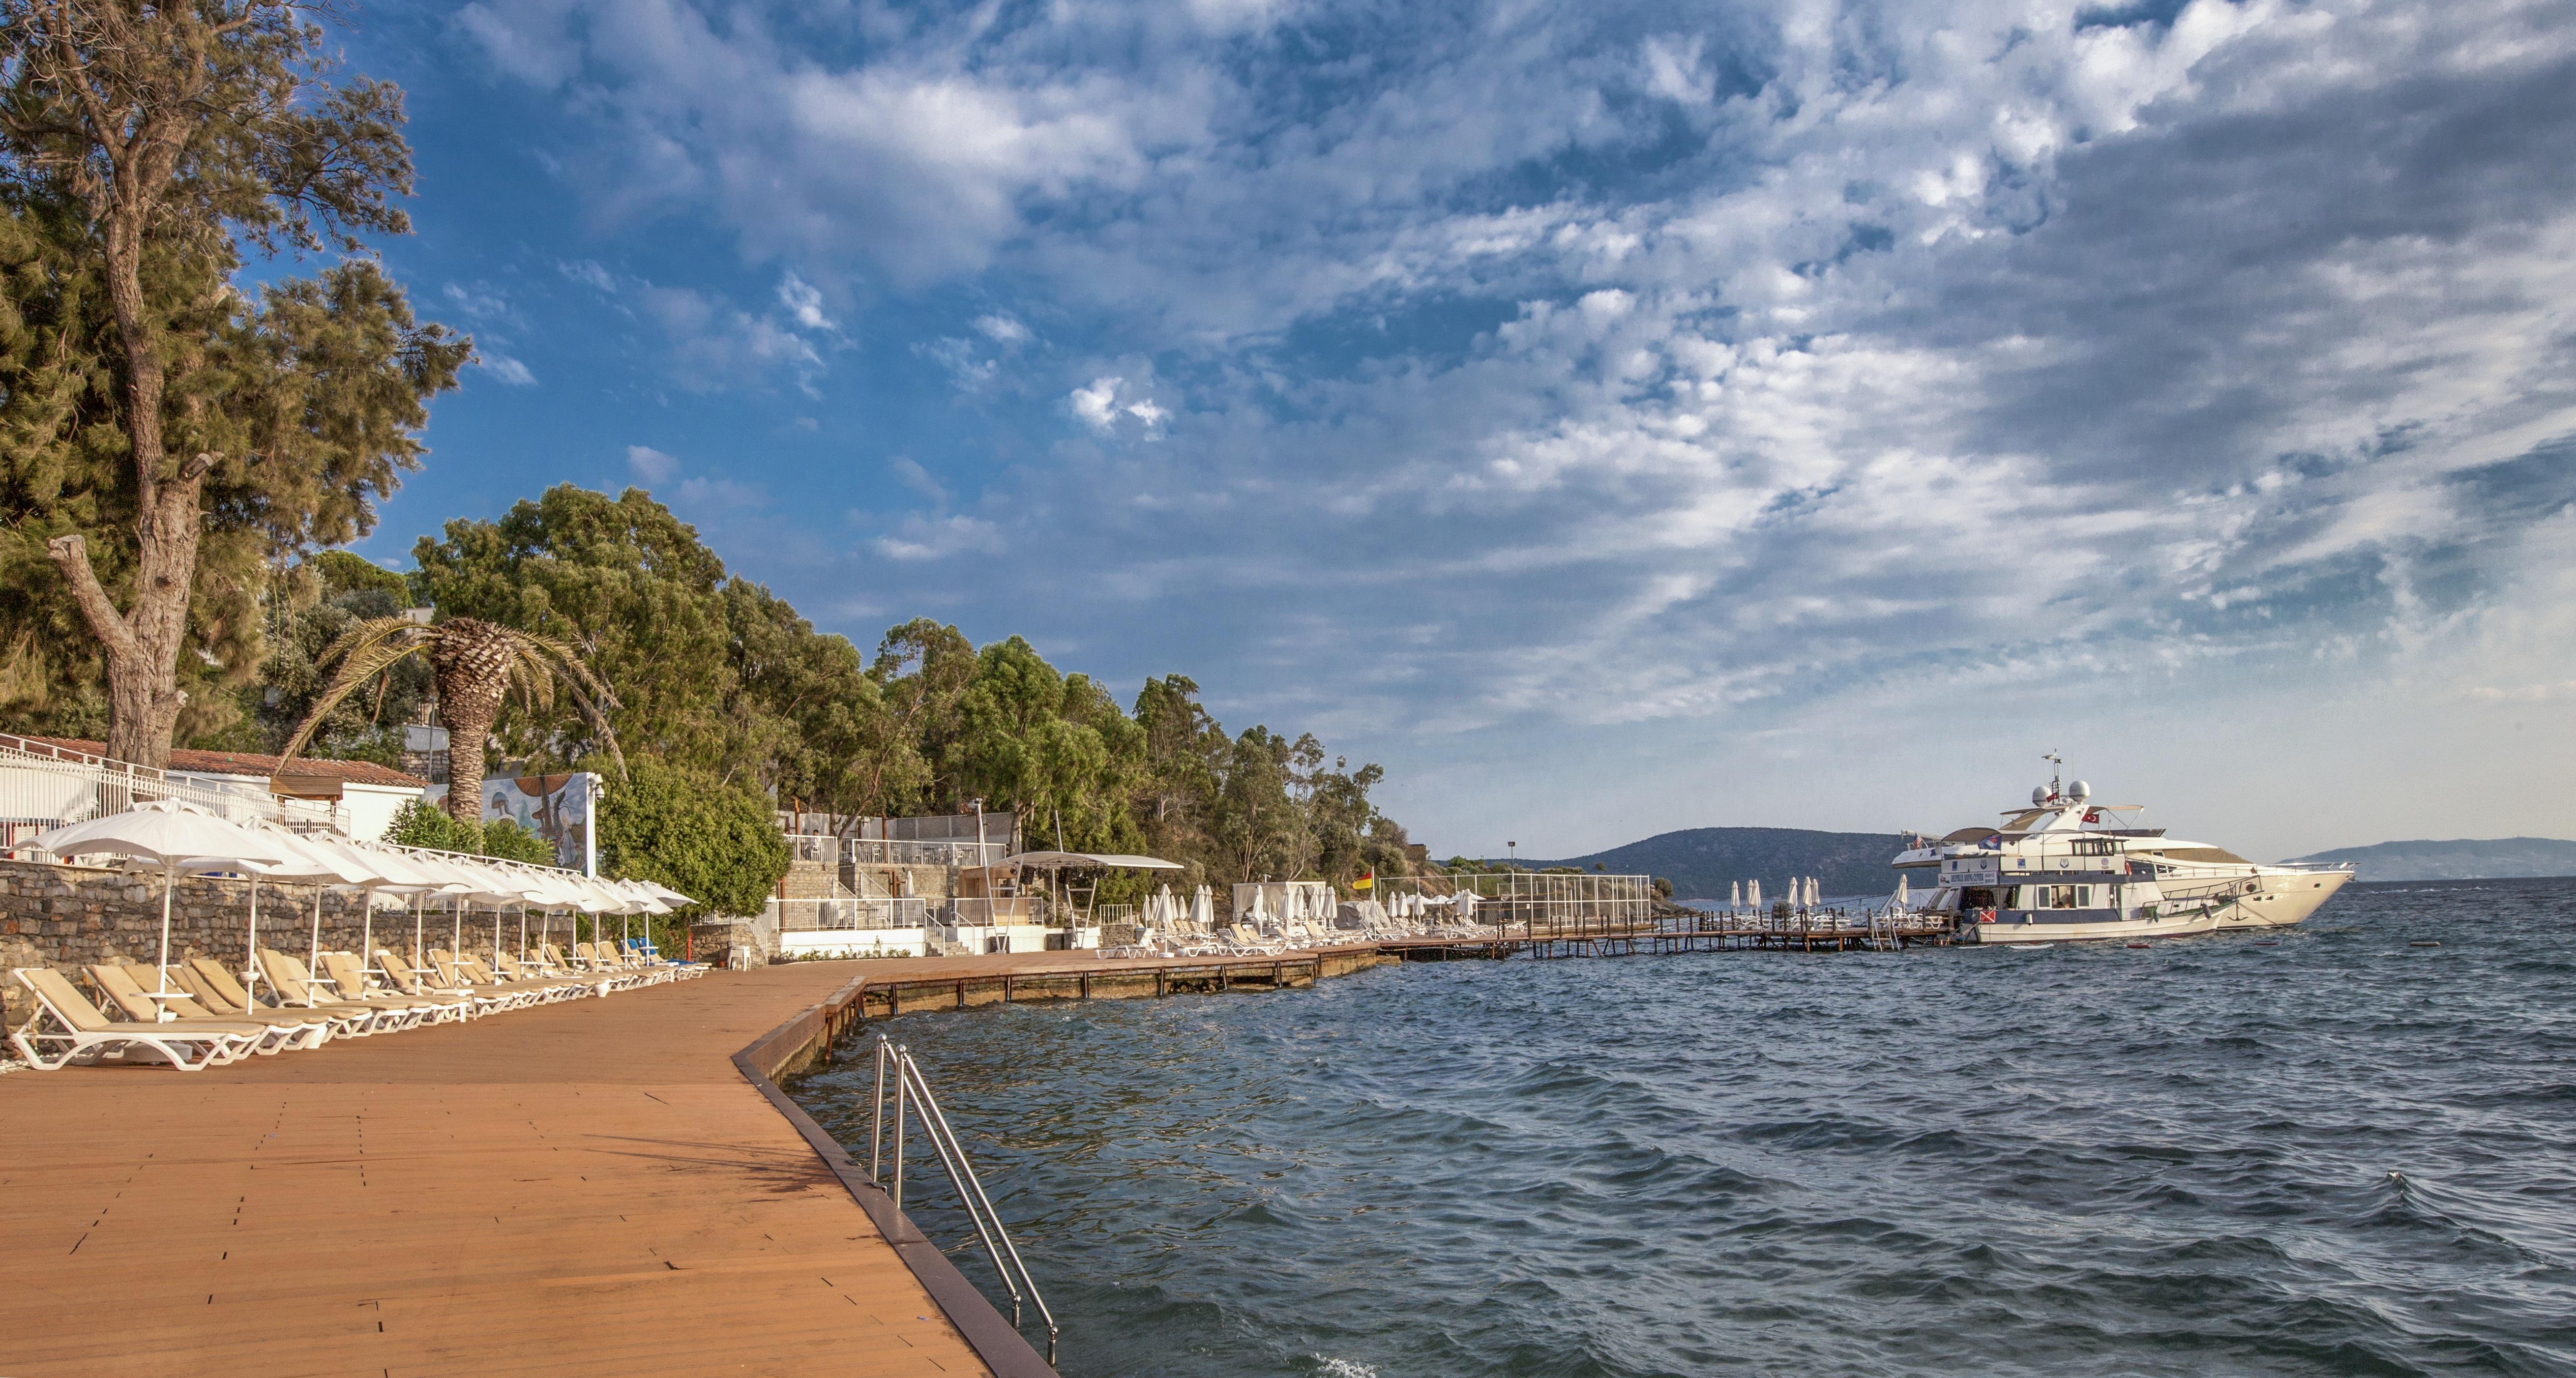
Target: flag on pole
(1367,880)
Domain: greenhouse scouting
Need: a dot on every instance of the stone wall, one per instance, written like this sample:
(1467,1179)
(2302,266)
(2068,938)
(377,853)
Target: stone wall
(66,916)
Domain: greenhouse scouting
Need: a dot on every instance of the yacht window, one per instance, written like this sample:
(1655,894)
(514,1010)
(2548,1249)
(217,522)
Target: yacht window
(2012,897)
(2063,896)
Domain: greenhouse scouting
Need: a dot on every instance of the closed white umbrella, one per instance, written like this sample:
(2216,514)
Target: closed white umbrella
(169,835)
(1753,893)
(1735,894)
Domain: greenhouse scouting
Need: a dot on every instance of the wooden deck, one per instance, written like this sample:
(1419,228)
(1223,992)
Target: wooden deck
(584,1188)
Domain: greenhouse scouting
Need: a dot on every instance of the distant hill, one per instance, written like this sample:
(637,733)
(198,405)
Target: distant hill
(1702,862)
(2464,859)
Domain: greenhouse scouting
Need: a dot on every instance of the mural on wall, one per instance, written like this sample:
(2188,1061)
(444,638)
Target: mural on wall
(554,807)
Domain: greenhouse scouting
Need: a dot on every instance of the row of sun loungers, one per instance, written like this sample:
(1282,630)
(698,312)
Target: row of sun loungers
(1189,939)
(202,1016)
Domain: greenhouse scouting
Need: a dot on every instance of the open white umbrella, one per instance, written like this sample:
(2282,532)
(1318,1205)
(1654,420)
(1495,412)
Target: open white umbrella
(306,860)
(169,835)
(397,874)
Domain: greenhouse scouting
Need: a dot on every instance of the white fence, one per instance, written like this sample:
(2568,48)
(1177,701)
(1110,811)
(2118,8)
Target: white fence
(846,913)
(43,786)
(869,851)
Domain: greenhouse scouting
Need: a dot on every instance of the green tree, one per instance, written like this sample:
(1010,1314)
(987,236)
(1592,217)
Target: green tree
(1055,748)
(476,665)
(311,606)
(177,431)
(708,671)
(922,668)
(716,843)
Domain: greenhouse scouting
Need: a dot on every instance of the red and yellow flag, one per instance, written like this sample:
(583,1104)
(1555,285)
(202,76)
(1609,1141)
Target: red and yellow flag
(1367,880)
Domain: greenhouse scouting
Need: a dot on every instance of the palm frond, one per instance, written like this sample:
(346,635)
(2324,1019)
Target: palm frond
(364,651)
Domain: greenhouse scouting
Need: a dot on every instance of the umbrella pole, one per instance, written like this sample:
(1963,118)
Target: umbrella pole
(169,882)
(367,931)
(456,923)
(313,962)
(419,907)
(250,950)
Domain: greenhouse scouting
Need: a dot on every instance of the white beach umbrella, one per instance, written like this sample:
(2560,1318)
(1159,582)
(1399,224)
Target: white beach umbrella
(1903,893)
(306,861)
(169,835)
(403,874)
(1735,894)
(1753,893)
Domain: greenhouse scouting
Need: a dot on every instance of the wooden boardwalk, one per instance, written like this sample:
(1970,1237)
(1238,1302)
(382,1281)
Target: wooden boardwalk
(591,1188)
(584,1188)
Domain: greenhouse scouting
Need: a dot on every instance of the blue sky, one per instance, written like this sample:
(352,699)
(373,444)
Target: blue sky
(1612,418)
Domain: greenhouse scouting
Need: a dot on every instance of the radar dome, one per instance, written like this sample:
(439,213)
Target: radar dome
(2079,791)
(2038,794)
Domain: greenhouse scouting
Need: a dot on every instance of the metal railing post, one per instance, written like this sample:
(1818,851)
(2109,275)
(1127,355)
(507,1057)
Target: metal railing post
(900,1054)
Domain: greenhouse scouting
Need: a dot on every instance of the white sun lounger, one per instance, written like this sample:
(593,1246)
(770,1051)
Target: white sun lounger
(67,1028)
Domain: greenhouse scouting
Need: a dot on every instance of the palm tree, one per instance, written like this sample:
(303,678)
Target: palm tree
(475,665)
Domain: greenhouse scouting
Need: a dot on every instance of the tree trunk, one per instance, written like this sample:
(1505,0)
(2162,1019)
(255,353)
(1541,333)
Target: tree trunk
(470,660)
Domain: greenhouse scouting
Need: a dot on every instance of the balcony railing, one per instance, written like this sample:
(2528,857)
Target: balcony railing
(43,786)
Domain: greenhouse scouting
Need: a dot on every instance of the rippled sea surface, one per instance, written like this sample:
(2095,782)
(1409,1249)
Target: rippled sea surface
(2341,1154)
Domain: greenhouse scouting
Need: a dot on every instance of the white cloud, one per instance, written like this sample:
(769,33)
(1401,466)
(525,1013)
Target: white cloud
(505,368)
(481,301)
(804,303)
(908,472)
(1098,403)
(589,273)
(715,344)
(937,538)
(651,465)
(1002,329)
(1621,369)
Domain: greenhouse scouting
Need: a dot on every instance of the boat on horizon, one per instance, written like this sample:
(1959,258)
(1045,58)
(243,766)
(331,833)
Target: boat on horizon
(2066,869)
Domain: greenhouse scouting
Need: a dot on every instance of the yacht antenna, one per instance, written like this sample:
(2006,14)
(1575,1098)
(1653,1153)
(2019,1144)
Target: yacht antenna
(2056,764)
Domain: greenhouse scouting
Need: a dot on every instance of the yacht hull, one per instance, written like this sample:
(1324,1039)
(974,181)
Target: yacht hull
(2276,900)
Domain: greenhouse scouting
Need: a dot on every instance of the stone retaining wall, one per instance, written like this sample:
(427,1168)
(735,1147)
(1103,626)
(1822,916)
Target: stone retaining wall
(65,916)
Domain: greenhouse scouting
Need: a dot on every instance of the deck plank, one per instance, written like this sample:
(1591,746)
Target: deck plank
(580,1189)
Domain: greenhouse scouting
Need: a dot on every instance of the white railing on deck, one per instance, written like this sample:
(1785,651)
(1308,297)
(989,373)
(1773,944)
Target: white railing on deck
(43,786)
(869,851)
(847,913)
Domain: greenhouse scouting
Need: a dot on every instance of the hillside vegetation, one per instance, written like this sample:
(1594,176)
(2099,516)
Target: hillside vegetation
(2501,858)
(1702,862)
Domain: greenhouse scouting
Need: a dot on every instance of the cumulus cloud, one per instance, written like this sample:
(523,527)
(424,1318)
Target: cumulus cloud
(1110,400)
(651,465)
(1611,369)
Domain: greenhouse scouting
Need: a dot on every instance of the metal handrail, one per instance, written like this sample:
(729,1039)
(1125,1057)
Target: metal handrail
(910,1085)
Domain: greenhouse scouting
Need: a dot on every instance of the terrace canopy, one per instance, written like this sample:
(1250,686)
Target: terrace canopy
(1049,861)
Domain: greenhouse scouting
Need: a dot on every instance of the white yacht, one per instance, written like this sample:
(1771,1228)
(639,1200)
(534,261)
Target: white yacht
(2068,869)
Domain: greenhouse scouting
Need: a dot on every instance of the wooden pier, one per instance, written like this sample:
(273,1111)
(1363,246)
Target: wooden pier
(611,1187)
(1670,935)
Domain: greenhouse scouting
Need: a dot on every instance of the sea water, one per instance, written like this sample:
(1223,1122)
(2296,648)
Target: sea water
(2327,1151)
